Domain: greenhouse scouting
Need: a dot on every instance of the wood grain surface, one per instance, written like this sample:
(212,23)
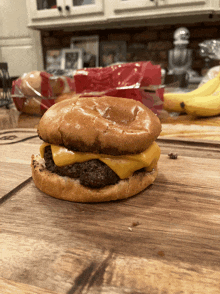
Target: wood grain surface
(177,118)
(164,240)
(193,131)
(11,287)
(14,159)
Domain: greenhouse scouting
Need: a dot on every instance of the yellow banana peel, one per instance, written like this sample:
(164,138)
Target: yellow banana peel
(203,105)
(172,101)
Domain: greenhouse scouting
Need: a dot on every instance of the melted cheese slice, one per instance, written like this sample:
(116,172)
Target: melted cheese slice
(123,166)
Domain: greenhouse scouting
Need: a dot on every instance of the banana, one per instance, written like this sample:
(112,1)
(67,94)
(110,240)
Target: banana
(203,105)
(172,101)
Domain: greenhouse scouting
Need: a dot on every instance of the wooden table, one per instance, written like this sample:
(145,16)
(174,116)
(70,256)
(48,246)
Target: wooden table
(165,240)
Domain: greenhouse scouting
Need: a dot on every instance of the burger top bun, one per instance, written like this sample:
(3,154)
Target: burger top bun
(31,83)
(109,125)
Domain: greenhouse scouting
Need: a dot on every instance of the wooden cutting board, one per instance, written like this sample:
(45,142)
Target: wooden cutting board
(15,148)
(164,240)
(193,131)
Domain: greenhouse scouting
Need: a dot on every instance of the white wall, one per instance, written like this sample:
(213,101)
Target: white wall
(20,47)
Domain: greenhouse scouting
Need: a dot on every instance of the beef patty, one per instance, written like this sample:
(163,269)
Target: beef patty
(93,173)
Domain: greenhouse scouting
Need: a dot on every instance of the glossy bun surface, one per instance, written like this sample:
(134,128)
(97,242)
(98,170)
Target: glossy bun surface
(109,125)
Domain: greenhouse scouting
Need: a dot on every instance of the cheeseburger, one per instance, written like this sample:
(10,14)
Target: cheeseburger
(96,149)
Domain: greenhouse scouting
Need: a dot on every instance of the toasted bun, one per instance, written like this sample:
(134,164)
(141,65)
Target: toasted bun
(31,83)
(109,125)
(70,189)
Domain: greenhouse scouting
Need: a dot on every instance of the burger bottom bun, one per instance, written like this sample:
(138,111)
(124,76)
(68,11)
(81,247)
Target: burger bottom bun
(70,189)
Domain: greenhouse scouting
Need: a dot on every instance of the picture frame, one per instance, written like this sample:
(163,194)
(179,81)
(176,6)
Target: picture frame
(72,59)
(90,47)
(112,52)
(53,59)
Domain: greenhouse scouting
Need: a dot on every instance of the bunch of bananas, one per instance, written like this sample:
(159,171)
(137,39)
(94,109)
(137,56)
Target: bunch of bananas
(204,101)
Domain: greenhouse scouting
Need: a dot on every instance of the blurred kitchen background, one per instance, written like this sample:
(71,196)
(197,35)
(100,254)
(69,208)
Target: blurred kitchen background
(33,32)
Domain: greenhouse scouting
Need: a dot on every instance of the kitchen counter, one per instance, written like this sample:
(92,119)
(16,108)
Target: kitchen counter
(11,118)
(180,126)
(188,127)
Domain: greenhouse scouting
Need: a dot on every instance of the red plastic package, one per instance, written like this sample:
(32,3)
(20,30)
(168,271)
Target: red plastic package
(36,91)
(153,99)
(139,81)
